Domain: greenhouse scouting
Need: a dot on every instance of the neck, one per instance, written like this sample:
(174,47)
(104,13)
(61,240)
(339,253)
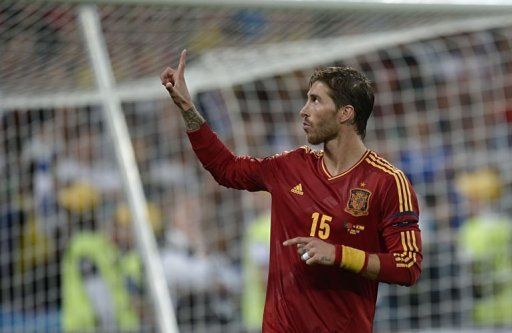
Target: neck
(342,152)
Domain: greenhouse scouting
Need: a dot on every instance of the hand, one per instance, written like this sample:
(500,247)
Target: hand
(318,251)
(174,81)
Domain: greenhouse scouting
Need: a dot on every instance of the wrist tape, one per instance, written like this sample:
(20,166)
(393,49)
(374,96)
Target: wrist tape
(351,259)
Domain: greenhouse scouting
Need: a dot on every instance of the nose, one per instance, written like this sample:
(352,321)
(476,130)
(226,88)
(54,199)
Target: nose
(303,112)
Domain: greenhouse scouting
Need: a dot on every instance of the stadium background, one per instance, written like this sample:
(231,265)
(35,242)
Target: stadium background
(443,77)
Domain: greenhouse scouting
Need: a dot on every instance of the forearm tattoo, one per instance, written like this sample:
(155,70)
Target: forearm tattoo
(193,120)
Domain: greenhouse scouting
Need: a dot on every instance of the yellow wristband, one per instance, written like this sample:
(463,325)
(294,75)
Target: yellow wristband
(352,259)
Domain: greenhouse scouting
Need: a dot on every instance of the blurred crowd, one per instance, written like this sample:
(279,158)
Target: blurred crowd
(68,249)
(45,41)
(69,259)
(42,48)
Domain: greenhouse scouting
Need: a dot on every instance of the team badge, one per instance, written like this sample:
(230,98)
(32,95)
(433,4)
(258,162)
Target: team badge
(358,203)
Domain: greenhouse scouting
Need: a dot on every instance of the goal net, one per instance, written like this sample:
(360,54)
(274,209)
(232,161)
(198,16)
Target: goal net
(69,260)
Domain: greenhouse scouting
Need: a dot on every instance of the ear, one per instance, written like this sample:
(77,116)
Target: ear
(346,113)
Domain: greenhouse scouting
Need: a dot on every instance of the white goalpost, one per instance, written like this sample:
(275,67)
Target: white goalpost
(91,27)
(104,207)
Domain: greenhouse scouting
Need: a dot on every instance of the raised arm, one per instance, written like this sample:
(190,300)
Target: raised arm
(174,81)
(240,172)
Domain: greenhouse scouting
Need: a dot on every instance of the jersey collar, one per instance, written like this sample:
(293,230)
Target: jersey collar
(331,177)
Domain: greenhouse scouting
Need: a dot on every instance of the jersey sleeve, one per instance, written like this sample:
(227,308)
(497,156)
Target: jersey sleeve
(229,170)
(399,204)
(399,230)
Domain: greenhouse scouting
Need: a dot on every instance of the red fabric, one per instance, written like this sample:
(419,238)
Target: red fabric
(409,259)
(339,254)
(363,208)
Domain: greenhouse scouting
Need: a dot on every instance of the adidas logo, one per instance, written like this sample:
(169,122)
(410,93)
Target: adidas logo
(297,189)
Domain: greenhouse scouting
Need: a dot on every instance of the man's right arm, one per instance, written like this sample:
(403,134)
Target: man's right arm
(240,172)
(193,119)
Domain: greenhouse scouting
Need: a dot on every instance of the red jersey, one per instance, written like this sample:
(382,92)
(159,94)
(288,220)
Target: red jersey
(371,207)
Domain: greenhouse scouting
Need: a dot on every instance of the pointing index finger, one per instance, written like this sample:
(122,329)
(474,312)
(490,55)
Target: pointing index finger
(297,240)
(181,65)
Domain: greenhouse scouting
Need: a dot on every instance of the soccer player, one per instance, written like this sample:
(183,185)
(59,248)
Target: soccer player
(343,219)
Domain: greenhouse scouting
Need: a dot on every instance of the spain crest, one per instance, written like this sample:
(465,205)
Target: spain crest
(358,203)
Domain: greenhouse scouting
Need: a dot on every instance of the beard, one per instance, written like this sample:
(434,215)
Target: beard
(314,140)
(322,133)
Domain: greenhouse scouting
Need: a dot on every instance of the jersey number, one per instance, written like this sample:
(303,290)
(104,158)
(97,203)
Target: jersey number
(324,229)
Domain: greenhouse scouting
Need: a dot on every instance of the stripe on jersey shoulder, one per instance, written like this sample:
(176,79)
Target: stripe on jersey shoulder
(404,192)
(306,149)
(309,150)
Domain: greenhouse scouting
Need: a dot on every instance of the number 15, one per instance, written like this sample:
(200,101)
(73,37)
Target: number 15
(324,229)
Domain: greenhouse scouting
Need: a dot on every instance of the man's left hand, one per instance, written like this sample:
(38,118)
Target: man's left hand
(313,250)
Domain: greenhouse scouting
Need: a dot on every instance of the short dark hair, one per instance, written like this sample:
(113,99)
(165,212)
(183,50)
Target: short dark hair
(348,87)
